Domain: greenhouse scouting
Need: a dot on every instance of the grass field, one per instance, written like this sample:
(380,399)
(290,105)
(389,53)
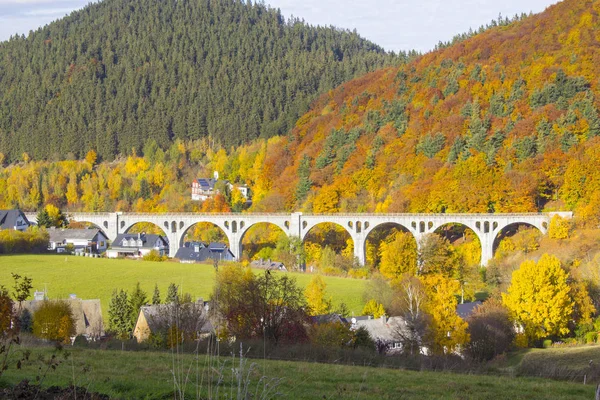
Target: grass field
(96,278)
(138,375)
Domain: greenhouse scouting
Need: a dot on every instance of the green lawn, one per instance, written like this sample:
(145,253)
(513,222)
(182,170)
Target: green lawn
(138,375)
(96,278)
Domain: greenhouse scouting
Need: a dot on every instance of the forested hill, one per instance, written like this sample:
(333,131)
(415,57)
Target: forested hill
(505,121)
(121,72)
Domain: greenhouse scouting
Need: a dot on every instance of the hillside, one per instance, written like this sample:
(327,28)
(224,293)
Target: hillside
(506,121)
(121,72)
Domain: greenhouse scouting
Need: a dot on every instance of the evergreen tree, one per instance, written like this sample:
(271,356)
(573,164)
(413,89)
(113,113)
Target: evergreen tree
(137,299)
(156,295)
(43,219)
(172,295)
(119,314)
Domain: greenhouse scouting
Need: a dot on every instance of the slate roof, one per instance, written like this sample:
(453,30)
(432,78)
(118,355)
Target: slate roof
(212,251)
(465,310)
(269,265)
(156,315)
(206,183)
(8,218)
(328,318)
(148,240)
(87,313)
(382,328)
(60,235)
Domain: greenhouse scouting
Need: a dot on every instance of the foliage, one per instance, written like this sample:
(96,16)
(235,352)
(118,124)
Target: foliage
(330,334)
(316,300)
(233,53)
(154,255)
(22,288)
(414,332)
(33,240)
(373,309)
(539,298)
(491,331)
(156,295)
(448,331)
(398,255)
(119,314)
(172,294)
(137,299)
(54,320)
(558,228)
(270,304)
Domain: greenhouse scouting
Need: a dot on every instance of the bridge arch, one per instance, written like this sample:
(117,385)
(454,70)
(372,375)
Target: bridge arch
(377,234)
(162,230)
(248,230)
(216,234)
(513,228)
(330,230)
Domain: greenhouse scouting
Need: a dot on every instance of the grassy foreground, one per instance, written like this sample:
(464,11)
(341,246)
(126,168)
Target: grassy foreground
(138,375)
(96,278)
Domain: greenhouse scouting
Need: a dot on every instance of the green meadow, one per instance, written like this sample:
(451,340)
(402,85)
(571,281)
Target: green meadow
(96,278)
(125,375)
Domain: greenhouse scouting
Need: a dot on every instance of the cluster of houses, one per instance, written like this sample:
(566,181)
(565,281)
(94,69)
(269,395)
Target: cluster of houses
(93,241)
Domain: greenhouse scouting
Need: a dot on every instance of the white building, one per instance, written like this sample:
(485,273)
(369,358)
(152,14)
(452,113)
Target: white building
(82,240)
(137,245)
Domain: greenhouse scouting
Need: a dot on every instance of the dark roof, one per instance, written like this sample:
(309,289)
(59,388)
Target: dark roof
(269,265)
(465,310)
(148,240)
(159,315)
(60,235)
(8,218)
(197,251)
(206,183)
(328,318)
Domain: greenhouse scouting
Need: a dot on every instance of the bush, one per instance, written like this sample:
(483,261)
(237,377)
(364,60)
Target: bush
(33,240)
(491,331)
(54,320)
(154,255)
(547,343)
(80,341)
(591,337)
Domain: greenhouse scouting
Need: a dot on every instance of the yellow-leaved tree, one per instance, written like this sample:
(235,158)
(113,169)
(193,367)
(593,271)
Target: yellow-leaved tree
(315,294)
(447,330)
(374,309)
(559,228)
(398,256)
(539,298)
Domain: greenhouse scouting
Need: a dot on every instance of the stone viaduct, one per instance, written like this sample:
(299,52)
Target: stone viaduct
(487,227)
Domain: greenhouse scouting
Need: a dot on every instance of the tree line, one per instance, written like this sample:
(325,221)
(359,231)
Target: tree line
(119,73)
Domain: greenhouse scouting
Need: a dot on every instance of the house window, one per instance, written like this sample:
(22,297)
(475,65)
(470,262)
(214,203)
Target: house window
(101,244)
(396,345)
(125,243)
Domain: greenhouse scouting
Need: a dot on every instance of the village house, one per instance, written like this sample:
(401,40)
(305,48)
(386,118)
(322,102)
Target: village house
(194,252)
(137,245)
(81,240)
(383,330)
(87,314)
(156,319)
(203,188)
(13,219)
(268,265)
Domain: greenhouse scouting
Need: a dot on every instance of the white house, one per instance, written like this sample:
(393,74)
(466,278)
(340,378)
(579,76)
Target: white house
(137,245)
(13,219)
(203,188)
(82,240)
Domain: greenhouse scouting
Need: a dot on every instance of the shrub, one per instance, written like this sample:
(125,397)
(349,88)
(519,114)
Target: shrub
(591,337)
(491,331)
(547,343)
(33,240)
(559,228)
(54,320)
(154,255)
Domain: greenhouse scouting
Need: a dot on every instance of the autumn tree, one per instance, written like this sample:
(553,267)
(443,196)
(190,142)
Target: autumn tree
(436,256)
(491,331)
(448,332)
(373,308)
(54,320)
(558,228)
(539,298)
(414,331)
(398,256)
(316,296)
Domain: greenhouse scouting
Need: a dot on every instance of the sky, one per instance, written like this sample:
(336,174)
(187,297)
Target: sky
(393,24)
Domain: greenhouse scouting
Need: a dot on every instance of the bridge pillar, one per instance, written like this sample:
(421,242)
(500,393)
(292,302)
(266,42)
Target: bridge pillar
(173,238)
(487,247)
(359,242)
